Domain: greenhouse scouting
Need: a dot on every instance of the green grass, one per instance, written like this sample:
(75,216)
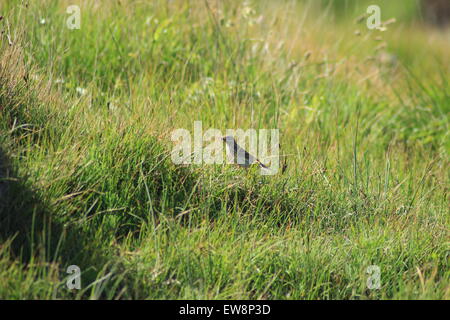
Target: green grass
(87,179)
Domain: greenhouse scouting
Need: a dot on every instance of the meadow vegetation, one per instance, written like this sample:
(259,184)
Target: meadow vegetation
(86,176)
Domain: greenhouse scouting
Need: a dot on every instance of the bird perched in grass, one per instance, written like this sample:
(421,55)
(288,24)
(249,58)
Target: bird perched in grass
(240,156)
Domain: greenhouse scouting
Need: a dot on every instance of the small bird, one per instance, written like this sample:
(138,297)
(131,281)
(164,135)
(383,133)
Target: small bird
(240,156)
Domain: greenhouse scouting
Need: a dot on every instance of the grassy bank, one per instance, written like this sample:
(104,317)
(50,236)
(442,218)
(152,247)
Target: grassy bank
(86,176)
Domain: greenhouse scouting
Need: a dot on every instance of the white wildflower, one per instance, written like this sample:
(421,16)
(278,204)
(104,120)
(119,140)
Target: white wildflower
(81,91)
